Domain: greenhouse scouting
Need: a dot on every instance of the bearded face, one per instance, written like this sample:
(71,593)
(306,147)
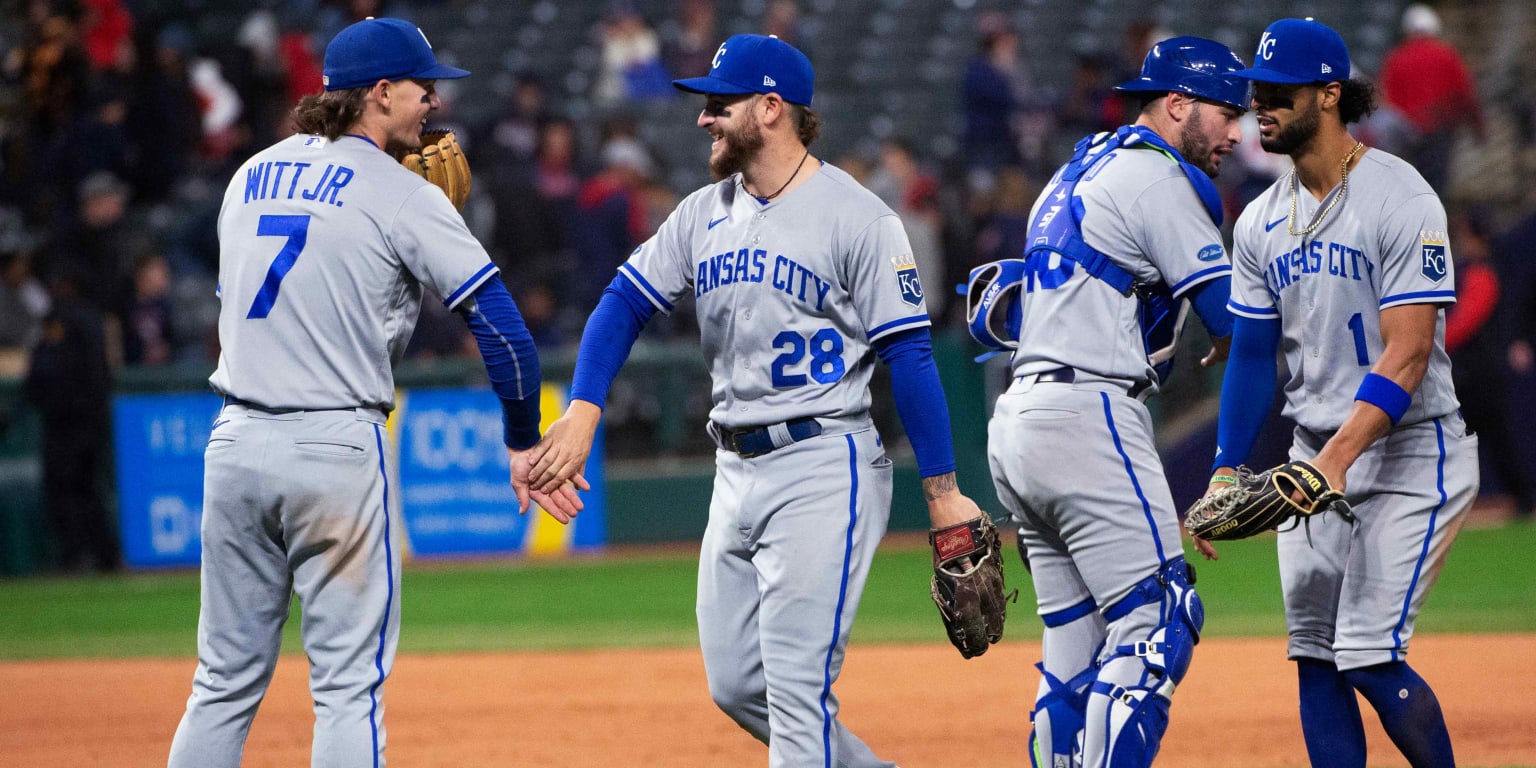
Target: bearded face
(736,144)
(1208,135)
(1289,117)
(1195,146)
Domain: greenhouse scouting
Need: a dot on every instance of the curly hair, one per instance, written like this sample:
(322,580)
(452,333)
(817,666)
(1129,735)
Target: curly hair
(1357,99)
(329,113)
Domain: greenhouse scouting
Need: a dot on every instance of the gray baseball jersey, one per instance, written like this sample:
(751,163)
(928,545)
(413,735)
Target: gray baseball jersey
(1352,593)
(324,248)
(789,294)
(1072,455)
(1139,209)
(1384,246)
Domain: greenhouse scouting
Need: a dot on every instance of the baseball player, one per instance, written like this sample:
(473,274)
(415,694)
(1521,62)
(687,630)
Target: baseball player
(801,277)
(1344,264)
(325,244)
(1123,235)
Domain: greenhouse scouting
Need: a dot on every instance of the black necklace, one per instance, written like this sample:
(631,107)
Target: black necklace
(786,181)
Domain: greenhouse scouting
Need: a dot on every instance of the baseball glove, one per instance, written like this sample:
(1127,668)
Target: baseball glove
(442,162)
(1264,501)
(968,584)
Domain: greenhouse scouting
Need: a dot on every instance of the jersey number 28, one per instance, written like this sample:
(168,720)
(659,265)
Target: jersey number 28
(826,353)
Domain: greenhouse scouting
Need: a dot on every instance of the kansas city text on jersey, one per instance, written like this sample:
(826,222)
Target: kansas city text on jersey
(1335,259)
(747,265)
(264,181)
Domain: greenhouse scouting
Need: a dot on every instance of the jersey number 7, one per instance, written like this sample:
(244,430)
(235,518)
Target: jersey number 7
(296,229)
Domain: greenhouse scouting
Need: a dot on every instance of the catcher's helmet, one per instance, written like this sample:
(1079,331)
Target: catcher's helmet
(1199,67)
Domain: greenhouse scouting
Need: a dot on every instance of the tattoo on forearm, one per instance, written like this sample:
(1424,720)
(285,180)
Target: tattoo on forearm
(938,485)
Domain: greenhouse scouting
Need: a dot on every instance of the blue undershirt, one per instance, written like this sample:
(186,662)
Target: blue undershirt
(511,361)
(919,398)
(1209,300)
(1247,388)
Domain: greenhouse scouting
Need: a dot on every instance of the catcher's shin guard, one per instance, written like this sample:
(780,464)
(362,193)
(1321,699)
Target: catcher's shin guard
(1055,741)
(1128,703)
(1071,643)
(1133,721)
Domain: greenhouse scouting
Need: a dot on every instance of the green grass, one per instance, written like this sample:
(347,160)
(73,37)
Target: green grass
(589,602)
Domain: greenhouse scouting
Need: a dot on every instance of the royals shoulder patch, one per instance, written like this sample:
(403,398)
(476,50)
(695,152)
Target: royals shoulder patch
(906,277)
(1432,245)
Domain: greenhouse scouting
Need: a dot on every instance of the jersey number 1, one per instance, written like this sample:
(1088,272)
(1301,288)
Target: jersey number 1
(296,229)
(1357,327)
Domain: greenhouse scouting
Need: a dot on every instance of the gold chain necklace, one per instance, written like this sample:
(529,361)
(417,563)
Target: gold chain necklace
(1290,223)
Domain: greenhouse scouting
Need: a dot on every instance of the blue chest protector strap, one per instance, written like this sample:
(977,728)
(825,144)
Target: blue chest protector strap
(1060,234)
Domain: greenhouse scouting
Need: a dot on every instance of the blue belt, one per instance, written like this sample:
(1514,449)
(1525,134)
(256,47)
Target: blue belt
(756,441)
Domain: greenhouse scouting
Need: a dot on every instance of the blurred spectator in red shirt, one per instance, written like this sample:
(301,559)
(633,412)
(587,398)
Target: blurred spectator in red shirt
(301,64)
(1426,80)
(105,26)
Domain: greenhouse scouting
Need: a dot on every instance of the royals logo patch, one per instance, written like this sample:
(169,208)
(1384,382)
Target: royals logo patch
(906,276)
(1432,245)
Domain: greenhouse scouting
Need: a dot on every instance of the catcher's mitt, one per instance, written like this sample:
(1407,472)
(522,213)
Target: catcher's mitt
(968,584)
(442,162)
(1263,501)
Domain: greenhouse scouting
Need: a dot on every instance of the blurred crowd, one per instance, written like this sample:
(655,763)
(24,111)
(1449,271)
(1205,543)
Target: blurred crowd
(119,129)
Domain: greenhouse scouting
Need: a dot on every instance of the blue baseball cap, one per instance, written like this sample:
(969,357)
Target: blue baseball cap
(756,64)
(381,49)
(1299,51)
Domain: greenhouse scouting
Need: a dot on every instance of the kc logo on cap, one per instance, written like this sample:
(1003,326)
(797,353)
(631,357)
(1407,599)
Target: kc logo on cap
(756,64)
(381,49)
(1297,52)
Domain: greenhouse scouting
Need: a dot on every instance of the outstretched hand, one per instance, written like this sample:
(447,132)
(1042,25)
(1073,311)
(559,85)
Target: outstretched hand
(562,503)
(562,454)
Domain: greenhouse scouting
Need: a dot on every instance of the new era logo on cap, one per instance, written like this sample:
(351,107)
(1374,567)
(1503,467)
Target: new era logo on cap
(769,82)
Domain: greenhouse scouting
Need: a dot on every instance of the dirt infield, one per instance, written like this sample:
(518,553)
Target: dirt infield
(650,708)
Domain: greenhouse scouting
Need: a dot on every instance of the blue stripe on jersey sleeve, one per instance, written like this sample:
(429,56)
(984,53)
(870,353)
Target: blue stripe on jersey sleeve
(1200,277)
(469,286)
(895,325)
(629,271)
(1257,313)
(1419,297)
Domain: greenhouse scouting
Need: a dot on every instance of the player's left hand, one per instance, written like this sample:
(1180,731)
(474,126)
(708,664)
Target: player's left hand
(1219,349)
(562,504)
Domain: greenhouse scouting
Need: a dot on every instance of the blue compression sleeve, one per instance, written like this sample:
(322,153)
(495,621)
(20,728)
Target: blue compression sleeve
(605,343)
(511,361)
(1247,389)
(919,399)
(1210,302)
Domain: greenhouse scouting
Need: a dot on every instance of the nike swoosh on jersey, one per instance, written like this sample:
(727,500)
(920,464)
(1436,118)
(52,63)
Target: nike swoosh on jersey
(717,221)
(1275,223)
